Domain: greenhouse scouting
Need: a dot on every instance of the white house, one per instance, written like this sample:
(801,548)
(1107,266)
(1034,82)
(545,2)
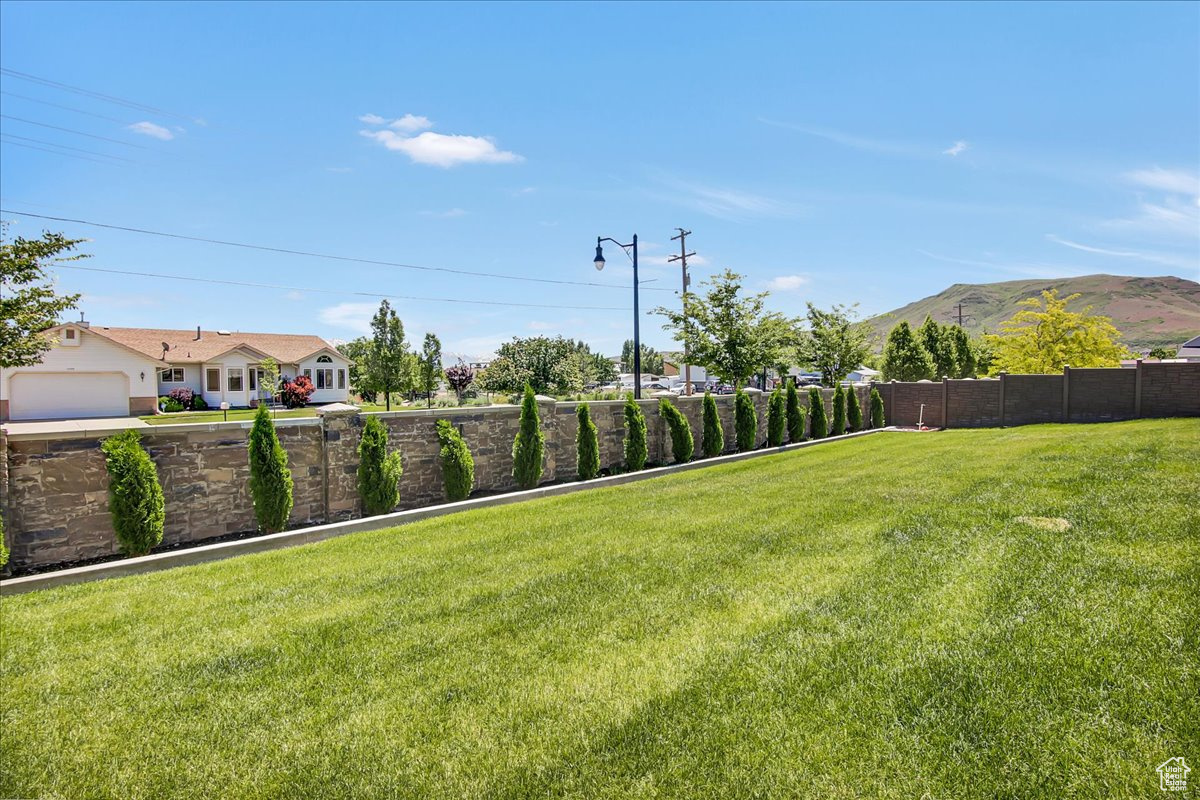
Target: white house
(1190,350)
(115,372)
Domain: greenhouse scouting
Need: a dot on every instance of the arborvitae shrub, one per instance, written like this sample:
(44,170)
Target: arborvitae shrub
(135,497)
(745,421)
(3,547)
(853,410)
(795,414)
(270,478)
(839,412)
(682,444)
(816,414)
(776,419)
(876,409)
(458,468)
(587,444)
(635,436)
(378,470)
(712,441)
(529,444)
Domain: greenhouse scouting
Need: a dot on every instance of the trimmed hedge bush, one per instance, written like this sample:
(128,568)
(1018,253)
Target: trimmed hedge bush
(587,444)
(745,421)
(270,478)
(816,414)
(776,419)
(529,443)
(3,546)
(378,470)
(458,467)
(795,414)
(169,404)
(876,409)
(135,497)
(712,440)
(635,435)
(853,410)
(682,444)
(838,427)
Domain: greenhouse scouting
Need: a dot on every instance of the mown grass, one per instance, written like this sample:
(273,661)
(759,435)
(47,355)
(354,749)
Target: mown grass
(863,619)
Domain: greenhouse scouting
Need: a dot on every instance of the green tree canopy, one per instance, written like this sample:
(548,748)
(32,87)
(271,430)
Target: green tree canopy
(904,357)
(652,360)
(28,302)
(388,364)
(430,365)
(549,365)
(837,343)
(1044,336)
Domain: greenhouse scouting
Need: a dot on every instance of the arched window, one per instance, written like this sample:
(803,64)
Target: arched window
(324,360)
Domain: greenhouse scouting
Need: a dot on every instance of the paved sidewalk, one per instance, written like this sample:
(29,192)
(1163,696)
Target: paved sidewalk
(80,426)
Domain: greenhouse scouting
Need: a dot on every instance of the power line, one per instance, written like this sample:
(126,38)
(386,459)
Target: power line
(25,76)
(308,254)
(65,108)
(81,133)
(65,147)
(60,153)
(312,290)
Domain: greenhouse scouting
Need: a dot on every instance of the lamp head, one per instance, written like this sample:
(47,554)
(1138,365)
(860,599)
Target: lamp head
(599,256)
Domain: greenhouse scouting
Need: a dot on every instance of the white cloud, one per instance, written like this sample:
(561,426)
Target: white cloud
(339,170)
(1154,258)
(152,130)
(372,119)
(443,150)
(294,295)
(538,325)
(723,203)
(448,214)
(354,316)
(1175,181)
(411,123)
(787,283)
(958,147)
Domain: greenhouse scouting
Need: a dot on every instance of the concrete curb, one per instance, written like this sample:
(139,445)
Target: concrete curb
(318,533)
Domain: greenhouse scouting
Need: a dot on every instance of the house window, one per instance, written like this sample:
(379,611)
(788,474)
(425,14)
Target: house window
(212,380)
(341,379)
(324,379)
(254,379)
(171,375)
(308,374)
(324,360)
(70,334)
(235,380)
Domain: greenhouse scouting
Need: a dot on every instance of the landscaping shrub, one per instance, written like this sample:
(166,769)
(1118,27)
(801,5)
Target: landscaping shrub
(3,548)
(378,470)
(183,395)
(795,414)
(876,409)
(587,444)
(635,435)
(528,444)
(838,427)
(198,403)
(776,419)
(745,421)
(169,405)
(294,394)
(270,478)
(682,444)
(458,467)
(816,414)
(712,441)
(135,498)
(853,410)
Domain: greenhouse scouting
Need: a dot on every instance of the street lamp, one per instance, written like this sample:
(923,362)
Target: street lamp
(637,338)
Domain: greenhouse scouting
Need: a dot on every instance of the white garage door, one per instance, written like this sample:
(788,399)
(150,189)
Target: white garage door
(67,395)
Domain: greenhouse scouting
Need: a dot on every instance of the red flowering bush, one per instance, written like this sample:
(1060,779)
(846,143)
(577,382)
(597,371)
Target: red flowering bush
(295,393)
(183,395)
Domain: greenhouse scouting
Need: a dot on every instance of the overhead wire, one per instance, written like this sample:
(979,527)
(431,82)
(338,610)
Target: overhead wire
(66,87)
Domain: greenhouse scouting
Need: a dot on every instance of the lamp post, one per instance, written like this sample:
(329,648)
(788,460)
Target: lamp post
(637,338)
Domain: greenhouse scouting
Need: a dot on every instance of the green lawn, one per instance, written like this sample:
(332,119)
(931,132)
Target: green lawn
(867,618)
(182,417)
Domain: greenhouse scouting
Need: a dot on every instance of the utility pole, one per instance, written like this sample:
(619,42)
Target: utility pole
(683,256)
(958,313)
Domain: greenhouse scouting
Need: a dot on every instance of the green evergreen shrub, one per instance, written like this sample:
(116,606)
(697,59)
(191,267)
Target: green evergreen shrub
(776,419)
(816,414)
(3,546)
(853,410)
(635,435)
(458,467)
(838,426)
(795,414)
(270,478)
(876,409)
(712,440)
(378,470)
(529,443)
(745,421)
(682,444)
(135,497)
(587,444)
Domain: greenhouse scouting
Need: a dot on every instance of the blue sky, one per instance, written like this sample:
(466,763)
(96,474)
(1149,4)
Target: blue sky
(833,153)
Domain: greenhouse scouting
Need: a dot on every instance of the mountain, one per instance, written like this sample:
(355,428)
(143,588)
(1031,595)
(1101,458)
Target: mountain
(1149,311)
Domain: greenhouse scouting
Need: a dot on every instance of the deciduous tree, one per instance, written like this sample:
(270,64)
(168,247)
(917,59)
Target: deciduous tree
(430,366)
(836,343)
(1044,336)
(28,302)
(388,359)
